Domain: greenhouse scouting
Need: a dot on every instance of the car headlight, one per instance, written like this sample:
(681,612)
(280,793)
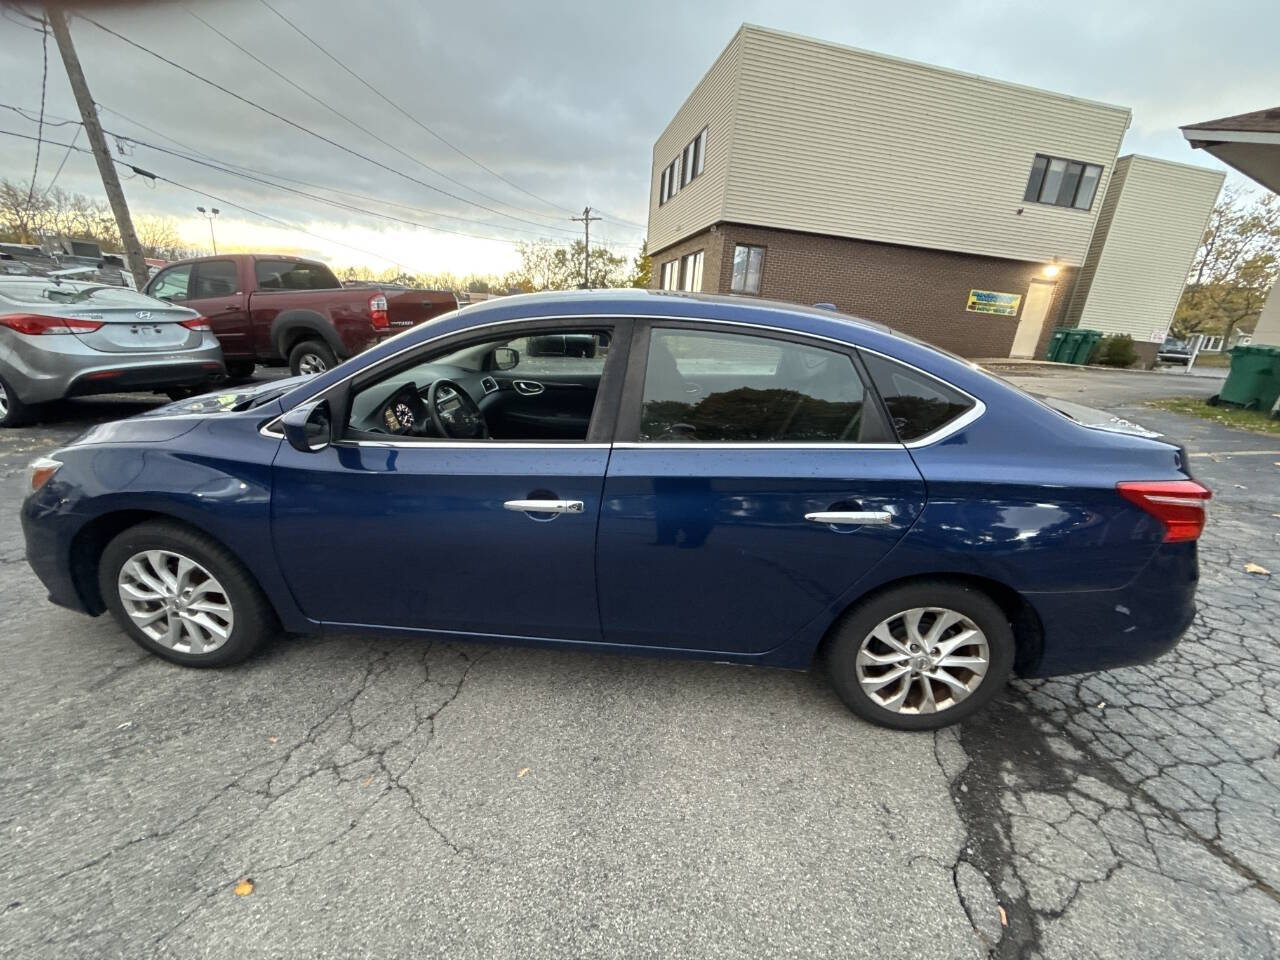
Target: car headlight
(42,469)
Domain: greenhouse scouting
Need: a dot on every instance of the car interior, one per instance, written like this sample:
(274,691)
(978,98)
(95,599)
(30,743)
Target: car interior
(537,387)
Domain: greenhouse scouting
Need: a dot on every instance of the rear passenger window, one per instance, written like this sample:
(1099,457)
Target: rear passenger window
(727,388)
(918,404)
(214,278)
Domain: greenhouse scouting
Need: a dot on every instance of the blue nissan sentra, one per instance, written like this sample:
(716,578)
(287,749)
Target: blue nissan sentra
(648,472)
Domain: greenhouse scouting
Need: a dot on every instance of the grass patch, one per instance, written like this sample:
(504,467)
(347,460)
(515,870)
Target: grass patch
(1255,421)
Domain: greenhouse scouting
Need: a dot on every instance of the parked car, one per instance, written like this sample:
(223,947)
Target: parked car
(64,338)
(714,478)
(273,309)
(1174,350)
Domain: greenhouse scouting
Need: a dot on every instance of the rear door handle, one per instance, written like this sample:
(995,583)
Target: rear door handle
(850,517)
(544,506)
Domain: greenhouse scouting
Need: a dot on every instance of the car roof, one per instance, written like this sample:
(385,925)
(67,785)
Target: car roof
(663,303)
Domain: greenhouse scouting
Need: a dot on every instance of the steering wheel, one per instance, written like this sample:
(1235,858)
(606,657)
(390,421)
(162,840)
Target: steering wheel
(453,413)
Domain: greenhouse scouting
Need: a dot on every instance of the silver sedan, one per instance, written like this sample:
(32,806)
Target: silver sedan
(62,338)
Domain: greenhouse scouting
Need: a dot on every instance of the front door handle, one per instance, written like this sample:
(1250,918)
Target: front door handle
(544,506)
(530,388)
(850,517)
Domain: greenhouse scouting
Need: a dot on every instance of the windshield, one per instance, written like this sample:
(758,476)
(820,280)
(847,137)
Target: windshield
(47,291)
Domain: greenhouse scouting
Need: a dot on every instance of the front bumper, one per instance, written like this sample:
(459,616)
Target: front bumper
(49,534)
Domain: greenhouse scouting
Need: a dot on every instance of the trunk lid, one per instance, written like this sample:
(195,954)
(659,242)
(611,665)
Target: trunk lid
(128,330)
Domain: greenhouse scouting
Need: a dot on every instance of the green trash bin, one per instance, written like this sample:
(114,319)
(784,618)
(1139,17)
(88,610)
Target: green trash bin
(1072,345)
(1254,380)
(1056,342)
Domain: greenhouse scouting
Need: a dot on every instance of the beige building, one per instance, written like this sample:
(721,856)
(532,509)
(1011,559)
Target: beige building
(951,206)
(1152,220)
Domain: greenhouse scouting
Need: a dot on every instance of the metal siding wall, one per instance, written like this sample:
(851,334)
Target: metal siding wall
(699,204)
(1142,258)
(843,142)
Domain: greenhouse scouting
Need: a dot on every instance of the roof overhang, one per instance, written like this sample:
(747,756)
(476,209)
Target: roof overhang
(1249,143)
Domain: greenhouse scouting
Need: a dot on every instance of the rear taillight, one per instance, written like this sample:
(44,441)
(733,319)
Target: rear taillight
(36,324)
(378,312)
(1178,504)
(197,323)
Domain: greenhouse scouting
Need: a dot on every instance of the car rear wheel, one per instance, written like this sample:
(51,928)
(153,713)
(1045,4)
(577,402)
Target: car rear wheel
(240,369)
(311,357)
(13,412)
(921,656)
(182,596)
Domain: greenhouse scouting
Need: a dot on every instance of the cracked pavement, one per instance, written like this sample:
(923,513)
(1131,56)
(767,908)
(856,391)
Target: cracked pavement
(398,797)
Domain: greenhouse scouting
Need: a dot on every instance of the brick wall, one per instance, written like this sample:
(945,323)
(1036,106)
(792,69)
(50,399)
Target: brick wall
(918,291)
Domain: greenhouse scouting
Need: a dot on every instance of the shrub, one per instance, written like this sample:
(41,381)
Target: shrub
(1116,351)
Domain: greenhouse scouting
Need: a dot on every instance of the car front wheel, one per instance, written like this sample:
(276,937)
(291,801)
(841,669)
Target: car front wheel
(183,596)
(311,357)
(921,656)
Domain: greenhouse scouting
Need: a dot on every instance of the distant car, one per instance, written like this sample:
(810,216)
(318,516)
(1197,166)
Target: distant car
(1174,351)
(273,309)
(63,338)
(675,475)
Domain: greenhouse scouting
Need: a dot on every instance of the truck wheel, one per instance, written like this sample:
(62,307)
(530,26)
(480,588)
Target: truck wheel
(13,412)
(311,357)
(240,369)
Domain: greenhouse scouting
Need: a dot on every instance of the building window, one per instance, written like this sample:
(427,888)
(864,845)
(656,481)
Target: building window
(748,264)
(671,275)
(683,168)
(670,185)
(691,158)
(691,272)
(1062,183)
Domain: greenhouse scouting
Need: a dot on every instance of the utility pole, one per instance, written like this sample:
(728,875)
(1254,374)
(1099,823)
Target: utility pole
(586,220)
(106,167)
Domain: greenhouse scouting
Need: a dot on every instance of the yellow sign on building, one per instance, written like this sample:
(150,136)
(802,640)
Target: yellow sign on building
(988,301)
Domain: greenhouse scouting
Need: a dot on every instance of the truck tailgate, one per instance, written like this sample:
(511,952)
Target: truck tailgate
(408,308)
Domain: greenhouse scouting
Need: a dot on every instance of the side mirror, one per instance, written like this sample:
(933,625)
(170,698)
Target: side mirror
(308,427)
(503,358)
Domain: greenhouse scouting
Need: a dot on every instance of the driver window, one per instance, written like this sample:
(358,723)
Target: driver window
(538,386)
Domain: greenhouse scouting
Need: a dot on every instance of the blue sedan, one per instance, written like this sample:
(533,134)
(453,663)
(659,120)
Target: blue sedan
(653,473)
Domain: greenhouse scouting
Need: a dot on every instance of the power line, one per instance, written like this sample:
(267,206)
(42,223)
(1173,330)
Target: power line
(342,116)
(408,116)
(298,126)
(223,200)
(201,158)
(44,86)
(57,173)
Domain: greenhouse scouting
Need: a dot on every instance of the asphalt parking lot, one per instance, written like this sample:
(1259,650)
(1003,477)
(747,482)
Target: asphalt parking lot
(400,798)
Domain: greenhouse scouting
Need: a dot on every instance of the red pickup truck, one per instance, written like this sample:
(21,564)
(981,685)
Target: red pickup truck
(272,309)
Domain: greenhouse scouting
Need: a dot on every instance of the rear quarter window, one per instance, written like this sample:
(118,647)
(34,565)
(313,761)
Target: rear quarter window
(918,403)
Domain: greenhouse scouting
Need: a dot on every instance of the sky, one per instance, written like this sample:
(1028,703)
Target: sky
(561,102)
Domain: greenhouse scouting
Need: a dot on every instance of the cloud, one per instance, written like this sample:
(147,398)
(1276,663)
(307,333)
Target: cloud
(561,98)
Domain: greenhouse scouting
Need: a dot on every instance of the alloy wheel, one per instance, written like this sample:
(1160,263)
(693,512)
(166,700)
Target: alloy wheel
(175,601)
(922,660)
(311,363)
(4,402)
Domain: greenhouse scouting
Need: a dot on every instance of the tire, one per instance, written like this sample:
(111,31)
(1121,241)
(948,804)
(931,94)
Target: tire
(13,412)
(310,357)
(240,369)
(894,607)
(251,619)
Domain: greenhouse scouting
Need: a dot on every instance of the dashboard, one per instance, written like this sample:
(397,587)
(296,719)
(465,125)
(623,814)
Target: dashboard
(398,405)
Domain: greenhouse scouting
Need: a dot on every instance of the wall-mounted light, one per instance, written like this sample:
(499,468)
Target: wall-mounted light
(1052,269)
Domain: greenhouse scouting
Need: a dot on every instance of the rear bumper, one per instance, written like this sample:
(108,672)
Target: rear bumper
(62,366)
(1103,629)
(150,377)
